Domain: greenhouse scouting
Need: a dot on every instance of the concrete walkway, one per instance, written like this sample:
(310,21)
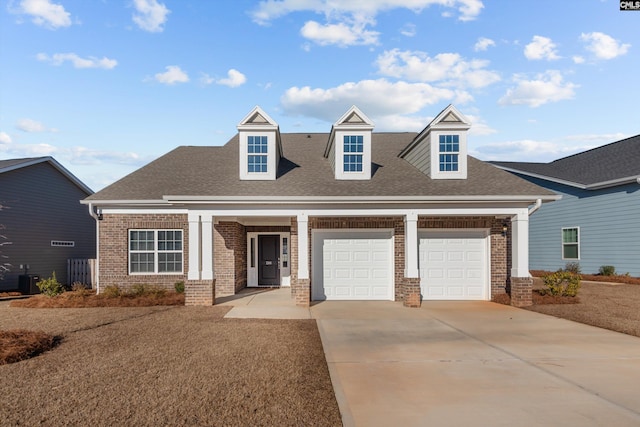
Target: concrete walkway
(465,363)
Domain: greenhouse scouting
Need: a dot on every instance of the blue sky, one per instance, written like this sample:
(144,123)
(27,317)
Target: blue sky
(106,86)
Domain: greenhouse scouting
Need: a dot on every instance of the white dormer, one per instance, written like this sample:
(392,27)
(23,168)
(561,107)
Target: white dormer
(349,146)
(440,150)
(259,145)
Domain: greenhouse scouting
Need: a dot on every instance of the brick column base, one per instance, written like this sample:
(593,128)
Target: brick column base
(411,291)
(521,291)
(200,292)
(302,292)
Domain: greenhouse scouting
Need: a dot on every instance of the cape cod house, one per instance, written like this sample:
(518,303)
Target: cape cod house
(345,215)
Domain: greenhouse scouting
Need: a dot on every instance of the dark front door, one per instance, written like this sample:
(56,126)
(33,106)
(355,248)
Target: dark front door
(269,260)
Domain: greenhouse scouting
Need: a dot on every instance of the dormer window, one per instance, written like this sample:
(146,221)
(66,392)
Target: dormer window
(353,149)
(449,151)
(257,150)
(349,146)
(259,147)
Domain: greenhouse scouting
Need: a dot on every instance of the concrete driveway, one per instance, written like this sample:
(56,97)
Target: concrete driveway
(476,363)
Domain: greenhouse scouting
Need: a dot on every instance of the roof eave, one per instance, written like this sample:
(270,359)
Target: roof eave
(593,186)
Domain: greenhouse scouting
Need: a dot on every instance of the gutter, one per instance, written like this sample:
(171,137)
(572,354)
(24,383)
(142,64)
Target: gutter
(535,207)
(98,218)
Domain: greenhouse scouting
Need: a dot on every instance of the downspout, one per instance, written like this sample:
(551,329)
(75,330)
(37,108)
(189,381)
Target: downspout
(95,216)
(535,207)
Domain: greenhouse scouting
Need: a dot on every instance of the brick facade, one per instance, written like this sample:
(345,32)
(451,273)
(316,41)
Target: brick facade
(521,291)
(200,292)
(114,249)
(230,253)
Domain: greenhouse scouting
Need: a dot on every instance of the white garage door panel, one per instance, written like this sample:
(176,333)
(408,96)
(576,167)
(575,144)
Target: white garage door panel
(352,266)
(454,265)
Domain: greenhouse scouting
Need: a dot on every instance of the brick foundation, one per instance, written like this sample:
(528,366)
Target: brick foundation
(411,292)
(200,292)
(302,292)
(521,291)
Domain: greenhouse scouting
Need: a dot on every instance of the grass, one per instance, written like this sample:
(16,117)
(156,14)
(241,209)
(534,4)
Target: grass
(167,366)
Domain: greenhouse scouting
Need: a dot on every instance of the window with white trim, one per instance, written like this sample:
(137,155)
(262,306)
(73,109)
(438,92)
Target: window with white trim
(353,150)
(155,251)
(257,149)
(571,243)
(449,151)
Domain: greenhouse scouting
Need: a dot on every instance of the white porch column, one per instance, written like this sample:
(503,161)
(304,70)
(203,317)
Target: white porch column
(303,246)
(194,246)
(411,245)
(520,244)
(207,247)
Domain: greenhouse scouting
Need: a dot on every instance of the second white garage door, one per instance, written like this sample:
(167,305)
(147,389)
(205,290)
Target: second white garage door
(352,265)
(454,265)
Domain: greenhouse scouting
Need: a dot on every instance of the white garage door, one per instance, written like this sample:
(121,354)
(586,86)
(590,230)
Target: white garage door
(352,265)
(454,265)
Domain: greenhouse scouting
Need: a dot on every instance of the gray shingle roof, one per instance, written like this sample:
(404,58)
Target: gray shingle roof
(213,172)
(610,162)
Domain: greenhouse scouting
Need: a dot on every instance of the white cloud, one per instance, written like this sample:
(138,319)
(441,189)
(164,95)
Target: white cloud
(78,62)
(544,88)
(483,43)
(206,79)
(541,48)
(172,76)
(151,15)
(269,10)
(5,138)
(449,68)
(577,59)
(234,79)
(385,102)
(604,46)
(479,126)
(31,126)
(528,150)
(44,13)
(341,34)
(408,30)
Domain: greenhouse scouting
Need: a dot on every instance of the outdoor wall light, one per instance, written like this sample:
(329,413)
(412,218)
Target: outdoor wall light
(505,228)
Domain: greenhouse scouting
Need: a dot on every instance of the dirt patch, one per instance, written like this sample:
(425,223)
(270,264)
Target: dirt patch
(88,299)
(613,307)
(17,345)
(167,366)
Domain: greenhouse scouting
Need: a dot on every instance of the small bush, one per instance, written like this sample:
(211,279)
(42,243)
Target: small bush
(561,283)
(179,287)
(143,289)
(138,290)
(50,287)
(607,270)
(111,291)
(572,267)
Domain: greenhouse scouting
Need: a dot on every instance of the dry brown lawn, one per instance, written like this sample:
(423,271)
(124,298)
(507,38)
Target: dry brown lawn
(615,307)
(166,366)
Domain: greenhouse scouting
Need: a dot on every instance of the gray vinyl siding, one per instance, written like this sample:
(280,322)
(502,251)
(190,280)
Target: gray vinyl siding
(332,157)
(420,156)
(609,222)
(41,205)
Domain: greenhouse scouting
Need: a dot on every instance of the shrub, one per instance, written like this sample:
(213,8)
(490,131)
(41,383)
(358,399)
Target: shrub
(142,290)
(111,291)
(561,283)
(138,290)
(179,286)
(607,270)
(572,267)
(50,287)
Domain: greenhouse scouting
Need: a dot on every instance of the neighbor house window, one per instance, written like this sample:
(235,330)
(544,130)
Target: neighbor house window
(353,149)
(155,251)
(571,243)
(449,151)
(257,152)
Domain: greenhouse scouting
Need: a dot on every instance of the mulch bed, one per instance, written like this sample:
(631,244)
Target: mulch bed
(595,277)
(167,366)
(89,299)
(21,344)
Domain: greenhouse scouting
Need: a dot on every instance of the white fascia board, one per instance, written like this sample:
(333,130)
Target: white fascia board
(352,199)
(594,186)
(149,203)
(279,212)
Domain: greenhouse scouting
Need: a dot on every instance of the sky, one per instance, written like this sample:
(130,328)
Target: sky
(106,86)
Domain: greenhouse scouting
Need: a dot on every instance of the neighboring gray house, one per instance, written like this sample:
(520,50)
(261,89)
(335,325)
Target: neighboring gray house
(349,214)
(43,220)
(597,221)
